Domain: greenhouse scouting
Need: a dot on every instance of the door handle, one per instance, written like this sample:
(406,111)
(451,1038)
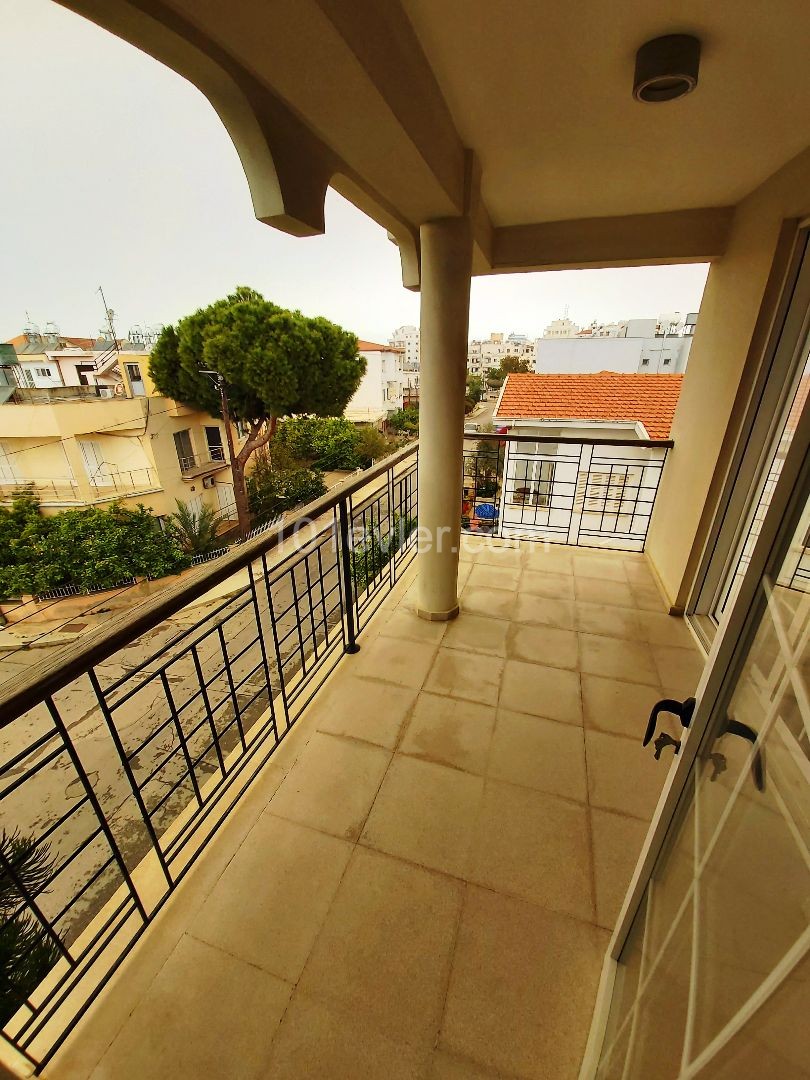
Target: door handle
(682,709)
(737,727)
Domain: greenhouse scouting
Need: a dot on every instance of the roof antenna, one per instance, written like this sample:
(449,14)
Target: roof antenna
(108,311)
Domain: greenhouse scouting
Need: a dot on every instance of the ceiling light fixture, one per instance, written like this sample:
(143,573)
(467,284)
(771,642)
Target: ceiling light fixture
(666,68)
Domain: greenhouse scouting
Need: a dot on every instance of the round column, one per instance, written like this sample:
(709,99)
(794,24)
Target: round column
(445,308)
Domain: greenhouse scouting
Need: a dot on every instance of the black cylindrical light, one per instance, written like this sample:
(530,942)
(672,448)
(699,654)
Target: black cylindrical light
(666,68)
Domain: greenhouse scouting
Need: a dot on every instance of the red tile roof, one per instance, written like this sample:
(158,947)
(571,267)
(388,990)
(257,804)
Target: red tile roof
(606,395)
(370,346)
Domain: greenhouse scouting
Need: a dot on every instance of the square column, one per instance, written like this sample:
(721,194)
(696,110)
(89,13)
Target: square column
(445,311)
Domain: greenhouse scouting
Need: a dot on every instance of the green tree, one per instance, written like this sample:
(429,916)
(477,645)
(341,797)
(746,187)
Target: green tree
(27,953)
(195,530)
(511,365)
(274,363)
(371,445)
(475,389)
(405,420)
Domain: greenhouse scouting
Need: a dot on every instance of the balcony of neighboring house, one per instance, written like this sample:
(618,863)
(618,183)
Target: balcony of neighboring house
(400,855)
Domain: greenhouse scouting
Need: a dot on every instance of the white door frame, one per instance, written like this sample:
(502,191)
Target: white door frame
(728,653)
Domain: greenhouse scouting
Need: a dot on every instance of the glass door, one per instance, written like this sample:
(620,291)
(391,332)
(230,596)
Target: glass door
(713,948)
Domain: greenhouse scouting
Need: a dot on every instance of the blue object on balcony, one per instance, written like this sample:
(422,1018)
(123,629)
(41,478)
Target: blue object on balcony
(486,511)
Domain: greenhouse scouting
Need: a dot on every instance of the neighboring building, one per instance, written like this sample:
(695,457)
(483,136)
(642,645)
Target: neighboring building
(81,424)
(383,385)
(407,339)
(549,486)
(561,328)
(484,355)
(626,406)
(645,346)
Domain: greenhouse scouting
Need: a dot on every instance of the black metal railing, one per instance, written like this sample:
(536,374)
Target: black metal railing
(120,760)
(585,492)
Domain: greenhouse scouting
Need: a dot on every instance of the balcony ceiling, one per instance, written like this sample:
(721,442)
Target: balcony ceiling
(383,101)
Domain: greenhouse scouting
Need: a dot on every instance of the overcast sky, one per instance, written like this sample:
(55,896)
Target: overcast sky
(116,172)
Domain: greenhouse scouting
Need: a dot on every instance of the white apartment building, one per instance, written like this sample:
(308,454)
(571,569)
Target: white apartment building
(407,339)
(484,355)
(382,387)
(646,346)
(561,328)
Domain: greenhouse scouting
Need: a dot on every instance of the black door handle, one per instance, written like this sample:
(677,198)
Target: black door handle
(737,727)
(682,709)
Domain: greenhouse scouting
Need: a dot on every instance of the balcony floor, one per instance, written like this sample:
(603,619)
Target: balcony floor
(422,882)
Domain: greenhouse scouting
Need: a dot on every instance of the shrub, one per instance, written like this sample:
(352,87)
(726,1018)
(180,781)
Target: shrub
(92,548)
(273,491)
(195,530)
(322,442)
(375,550)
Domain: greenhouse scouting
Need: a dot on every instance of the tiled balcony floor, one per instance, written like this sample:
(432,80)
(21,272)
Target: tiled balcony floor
(427,891)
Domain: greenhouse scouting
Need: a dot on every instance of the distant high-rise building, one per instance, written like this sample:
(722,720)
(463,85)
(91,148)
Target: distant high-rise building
(407,338)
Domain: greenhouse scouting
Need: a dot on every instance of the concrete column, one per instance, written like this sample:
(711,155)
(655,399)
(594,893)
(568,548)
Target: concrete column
(445,309)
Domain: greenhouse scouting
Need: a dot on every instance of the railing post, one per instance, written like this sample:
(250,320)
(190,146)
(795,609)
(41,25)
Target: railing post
(348,590)
(580,493)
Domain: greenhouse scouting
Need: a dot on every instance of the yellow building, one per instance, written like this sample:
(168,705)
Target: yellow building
(82,425)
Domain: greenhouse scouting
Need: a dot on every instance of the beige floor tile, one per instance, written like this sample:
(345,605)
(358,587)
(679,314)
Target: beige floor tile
(604,567)
(536,846)
(407,626)
(598,591)
(268,906)
(364,709)
(615,622)
(495,603)
(472,676)
(204,1012)
(614,658)
(679,668)
(499,553)
(425,813)
(332,785)
(522,988)
(548,558)
(663,629)
(623,775)
(541,754)
(543,611)
(541,691)
(317,1041)
(647,597)
(484,576)
(450,732)
(384,951)
(638,570)
(553,586)
(464,571)
(617,843)
(620,708)
(444,1066)
(477,633)
(543,645)
(403,662)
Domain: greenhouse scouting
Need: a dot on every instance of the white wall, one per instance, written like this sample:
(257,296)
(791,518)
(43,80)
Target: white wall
(578,355)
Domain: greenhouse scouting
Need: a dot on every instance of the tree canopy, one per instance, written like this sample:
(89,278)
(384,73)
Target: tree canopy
(275,362)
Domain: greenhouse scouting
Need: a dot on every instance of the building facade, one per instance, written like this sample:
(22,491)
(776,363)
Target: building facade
(81,424)
(383,386)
